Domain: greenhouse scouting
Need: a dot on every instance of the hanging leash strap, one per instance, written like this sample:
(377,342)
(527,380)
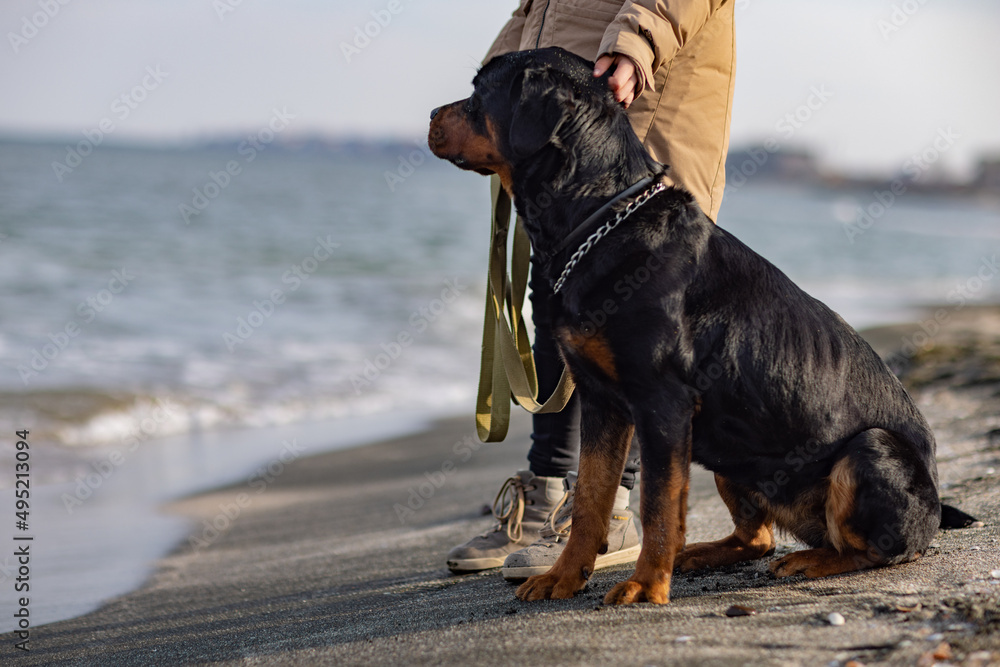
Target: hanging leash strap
(507,366)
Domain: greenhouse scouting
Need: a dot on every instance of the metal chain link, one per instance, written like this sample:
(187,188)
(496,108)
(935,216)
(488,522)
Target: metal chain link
(603,231)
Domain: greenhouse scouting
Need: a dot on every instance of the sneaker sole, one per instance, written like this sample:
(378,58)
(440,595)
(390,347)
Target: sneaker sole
(629,555)
(468,565)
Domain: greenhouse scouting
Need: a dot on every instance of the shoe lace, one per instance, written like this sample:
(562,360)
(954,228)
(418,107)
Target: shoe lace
(557,523)
(508,508)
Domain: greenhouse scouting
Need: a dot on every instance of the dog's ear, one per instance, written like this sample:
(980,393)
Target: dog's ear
(540,109)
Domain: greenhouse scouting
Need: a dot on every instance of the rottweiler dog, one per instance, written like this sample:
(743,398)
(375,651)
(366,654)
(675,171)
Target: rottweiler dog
(676,331)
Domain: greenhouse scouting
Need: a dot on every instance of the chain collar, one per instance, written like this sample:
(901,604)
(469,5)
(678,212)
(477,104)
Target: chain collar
(604,230)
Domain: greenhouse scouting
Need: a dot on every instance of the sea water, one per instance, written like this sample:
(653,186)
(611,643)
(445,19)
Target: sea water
(171,320)
(152,292)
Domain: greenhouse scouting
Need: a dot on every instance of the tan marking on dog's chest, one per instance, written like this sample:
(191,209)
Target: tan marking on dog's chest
(594,348)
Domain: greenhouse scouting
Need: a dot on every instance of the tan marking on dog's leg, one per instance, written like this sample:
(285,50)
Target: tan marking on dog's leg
(848,551)
(601,466)
(840,496)
(664,503)
(823,562)
(752,538)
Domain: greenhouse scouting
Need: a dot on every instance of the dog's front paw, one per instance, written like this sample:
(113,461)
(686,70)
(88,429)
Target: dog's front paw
(631,591)
(551,586)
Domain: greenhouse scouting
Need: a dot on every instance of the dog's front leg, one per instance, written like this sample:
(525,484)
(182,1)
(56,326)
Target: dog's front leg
(666,466)
(604,444)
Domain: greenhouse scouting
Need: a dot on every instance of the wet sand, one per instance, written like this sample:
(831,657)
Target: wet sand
(339,559)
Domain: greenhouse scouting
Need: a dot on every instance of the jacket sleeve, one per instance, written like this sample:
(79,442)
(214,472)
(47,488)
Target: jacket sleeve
(650,32)
(509,38)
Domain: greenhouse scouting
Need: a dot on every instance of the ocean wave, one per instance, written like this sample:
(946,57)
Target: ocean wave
(86,417)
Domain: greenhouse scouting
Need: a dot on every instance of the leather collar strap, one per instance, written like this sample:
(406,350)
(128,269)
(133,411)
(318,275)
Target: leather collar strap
(595,237)
(585,228)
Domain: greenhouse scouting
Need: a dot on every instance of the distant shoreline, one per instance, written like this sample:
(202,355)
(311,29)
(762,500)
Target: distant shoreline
(793,166)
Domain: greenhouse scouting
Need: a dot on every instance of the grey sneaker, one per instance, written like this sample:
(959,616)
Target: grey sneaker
(623,538)
(520,509)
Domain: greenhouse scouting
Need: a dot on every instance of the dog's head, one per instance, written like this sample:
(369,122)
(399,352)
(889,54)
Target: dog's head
(524,103)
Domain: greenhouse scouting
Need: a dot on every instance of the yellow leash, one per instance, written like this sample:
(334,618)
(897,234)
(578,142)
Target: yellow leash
(507,367)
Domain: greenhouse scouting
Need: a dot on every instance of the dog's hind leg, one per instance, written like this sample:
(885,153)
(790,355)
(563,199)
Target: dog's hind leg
(752,538)
(881,505)
(604,443)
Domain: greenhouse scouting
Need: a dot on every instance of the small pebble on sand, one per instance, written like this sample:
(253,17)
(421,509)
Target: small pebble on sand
(978,658)
(740,610)
(835,619)
(942,652)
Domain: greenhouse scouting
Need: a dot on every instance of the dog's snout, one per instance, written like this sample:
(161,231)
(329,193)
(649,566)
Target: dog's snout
(434,112)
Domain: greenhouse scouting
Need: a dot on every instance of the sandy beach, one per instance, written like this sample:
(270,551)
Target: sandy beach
(339,560)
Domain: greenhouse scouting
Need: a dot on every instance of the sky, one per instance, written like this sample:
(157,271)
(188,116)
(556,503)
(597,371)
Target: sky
(868,84)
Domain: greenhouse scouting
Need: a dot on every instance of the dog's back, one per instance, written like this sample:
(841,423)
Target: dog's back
(787,392)
(797,381)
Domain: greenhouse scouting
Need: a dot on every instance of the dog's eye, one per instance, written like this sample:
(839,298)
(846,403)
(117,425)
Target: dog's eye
(471,106)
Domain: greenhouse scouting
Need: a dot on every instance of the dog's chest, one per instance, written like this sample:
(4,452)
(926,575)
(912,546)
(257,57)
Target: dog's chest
(590,349)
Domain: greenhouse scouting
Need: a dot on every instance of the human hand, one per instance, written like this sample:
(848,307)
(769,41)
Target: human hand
(625,79)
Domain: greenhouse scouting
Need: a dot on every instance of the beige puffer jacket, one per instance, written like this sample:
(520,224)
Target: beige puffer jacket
(686,57)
